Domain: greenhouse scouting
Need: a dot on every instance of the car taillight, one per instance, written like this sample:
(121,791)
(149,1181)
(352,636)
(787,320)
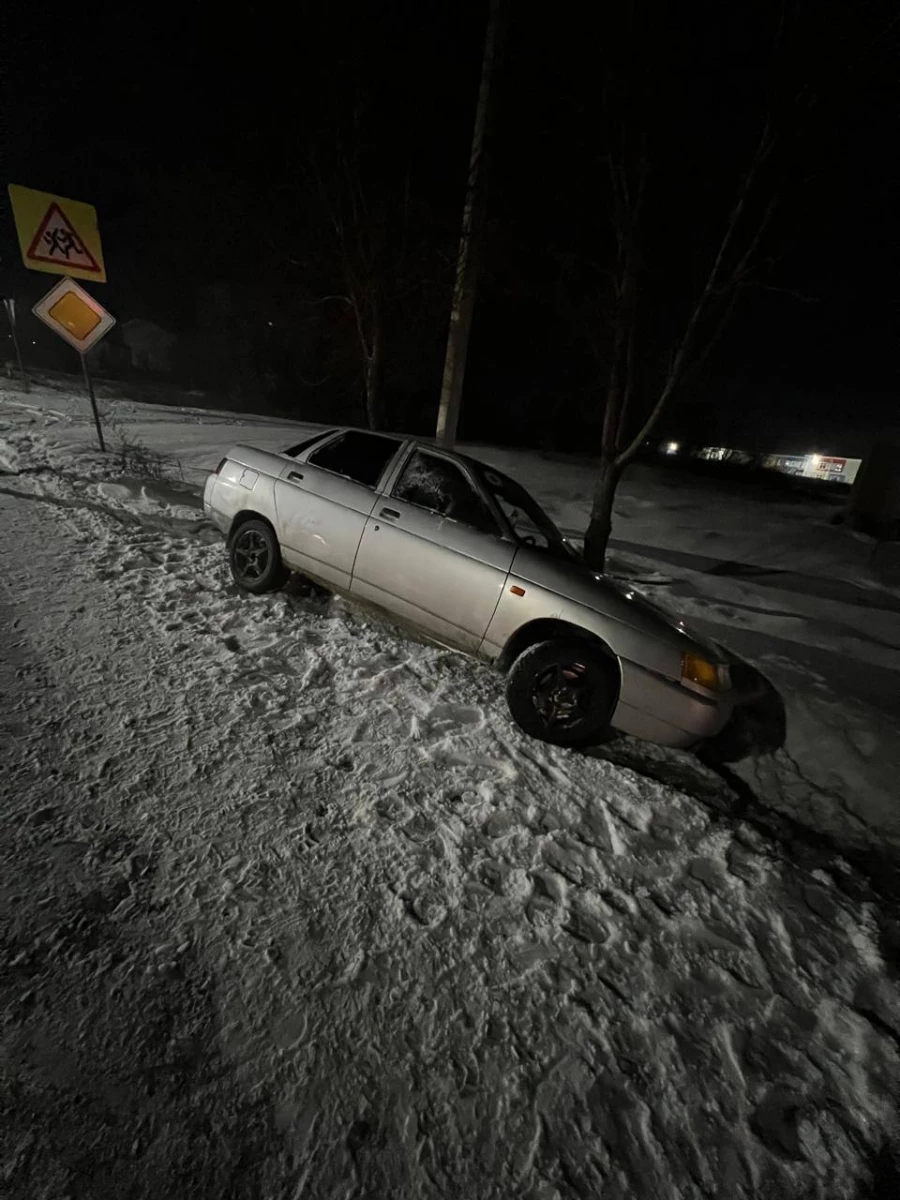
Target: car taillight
(222,463)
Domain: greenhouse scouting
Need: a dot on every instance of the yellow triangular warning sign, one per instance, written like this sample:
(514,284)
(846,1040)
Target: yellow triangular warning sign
(56,234)
(58,242)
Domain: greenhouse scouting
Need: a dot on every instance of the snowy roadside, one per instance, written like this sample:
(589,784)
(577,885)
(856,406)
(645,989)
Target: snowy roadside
(289,905)
(797,599)
(836,669)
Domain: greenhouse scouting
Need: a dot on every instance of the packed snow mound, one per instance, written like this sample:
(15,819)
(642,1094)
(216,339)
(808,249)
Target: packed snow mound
(155,498)
(9,457)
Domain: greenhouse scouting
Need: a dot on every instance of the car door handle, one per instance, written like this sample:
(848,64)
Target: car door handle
(389,512)
(296,476)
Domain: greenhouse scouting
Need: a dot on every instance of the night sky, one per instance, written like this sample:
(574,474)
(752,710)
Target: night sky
(192,136)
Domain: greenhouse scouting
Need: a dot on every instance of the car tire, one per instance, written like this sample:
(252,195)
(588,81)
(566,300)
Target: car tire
(563,692)
(255,558)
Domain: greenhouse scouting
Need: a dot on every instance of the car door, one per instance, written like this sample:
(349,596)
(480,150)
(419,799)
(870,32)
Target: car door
(323,503)
(432,552)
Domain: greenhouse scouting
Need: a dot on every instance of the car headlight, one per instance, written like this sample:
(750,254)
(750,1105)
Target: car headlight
(708,675)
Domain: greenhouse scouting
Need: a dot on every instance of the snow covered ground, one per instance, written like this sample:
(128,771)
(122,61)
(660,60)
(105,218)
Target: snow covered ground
(767,575)
(288,907)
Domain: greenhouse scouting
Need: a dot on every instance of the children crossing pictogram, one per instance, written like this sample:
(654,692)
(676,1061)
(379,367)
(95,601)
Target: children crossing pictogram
(57,235)
(57,241)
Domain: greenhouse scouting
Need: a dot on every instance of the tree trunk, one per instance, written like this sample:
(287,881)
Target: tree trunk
(374,379)
(596,540)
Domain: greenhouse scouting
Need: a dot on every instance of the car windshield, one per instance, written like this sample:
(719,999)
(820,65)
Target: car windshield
(526,518)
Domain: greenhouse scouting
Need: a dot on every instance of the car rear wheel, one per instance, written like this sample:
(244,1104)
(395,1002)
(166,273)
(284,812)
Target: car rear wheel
(255,558)
(563,692)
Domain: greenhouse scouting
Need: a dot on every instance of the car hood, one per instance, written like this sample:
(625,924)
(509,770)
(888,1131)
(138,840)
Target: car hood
(578,583)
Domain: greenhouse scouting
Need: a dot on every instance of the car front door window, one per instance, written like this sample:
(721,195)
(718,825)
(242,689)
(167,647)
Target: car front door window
(438,485)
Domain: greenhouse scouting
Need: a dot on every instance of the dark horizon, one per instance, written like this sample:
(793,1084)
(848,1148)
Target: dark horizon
(196,143)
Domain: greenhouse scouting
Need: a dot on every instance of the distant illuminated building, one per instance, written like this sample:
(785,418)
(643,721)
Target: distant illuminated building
(815,466)
(810,466)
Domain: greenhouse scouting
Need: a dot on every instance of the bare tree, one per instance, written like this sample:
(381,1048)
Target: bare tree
(384,260)
(731,266)
(369,242)
(812,63)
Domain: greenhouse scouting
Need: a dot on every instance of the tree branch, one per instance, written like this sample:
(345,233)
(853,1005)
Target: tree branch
(711,289)
(324,299)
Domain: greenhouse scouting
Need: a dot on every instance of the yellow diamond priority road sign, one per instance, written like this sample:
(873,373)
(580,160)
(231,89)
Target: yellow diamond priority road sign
(57,235)
(74,315)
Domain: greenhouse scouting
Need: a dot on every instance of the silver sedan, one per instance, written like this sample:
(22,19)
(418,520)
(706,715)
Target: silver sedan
(463,554)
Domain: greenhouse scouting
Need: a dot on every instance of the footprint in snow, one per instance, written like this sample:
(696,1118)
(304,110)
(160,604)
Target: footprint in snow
(444,715)
(376,666)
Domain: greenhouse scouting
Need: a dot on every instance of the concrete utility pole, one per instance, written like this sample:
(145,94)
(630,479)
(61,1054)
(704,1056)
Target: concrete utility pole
(469,248)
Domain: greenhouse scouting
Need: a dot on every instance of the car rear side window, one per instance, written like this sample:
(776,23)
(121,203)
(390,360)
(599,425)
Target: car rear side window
(439,485)
(293,451)
(359,456)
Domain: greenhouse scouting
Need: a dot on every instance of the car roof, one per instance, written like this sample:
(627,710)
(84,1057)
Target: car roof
(429,443)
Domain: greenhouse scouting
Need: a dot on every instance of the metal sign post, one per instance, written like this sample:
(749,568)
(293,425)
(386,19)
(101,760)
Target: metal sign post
(76,316)
(90,387)
(10,305)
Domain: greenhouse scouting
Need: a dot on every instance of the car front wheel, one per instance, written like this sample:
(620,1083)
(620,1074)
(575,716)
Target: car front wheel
(255,558)
(563,692)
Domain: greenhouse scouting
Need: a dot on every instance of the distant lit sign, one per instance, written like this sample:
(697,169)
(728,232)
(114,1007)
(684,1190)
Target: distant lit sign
(57,235)
(827,466)
(76,316)
(815,466)
(790,464)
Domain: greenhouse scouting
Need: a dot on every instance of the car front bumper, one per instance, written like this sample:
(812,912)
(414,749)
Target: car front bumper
(663,711)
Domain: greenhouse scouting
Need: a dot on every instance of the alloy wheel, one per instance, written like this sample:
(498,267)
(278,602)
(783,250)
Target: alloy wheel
(562,695)
(250,555)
